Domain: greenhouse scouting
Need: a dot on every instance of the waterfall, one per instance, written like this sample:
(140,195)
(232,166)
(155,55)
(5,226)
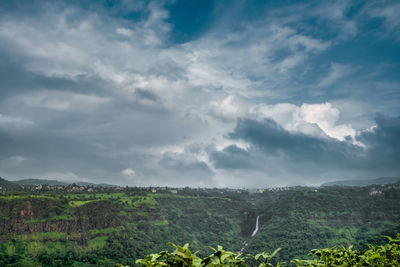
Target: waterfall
(256,229)
(244,245)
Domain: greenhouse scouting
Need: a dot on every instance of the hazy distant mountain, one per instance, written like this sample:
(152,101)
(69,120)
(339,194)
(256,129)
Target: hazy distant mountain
(55,182)
(382,180)
(7,184)
(93,184)
(39,181)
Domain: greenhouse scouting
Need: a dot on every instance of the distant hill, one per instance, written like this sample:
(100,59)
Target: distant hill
(7,184)
(39,181)
(93,184)
(382,180)
(55,182)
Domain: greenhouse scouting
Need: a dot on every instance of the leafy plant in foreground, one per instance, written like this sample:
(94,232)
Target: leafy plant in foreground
(221,257)
(182,257)
(384,255)
(267,258)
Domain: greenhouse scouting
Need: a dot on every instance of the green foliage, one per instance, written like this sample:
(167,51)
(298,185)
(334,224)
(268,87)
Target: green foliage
(102,228)
(221,257)
(267,258)
(296,220)
(78,203)
(45,236)
(182,256)
(98,242)
(384,255)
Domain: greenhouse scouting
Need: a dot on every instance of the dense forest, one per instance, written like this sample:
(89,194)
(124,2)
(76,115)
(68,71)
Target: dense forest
(106,226)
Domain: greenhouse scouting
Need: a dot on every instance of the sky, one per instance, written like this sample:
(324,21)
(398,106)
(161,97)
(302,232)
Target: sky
(200,93)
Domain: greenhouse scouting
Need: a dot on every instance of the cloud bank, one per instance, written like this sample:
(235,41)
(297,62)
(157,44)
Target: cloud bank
(244,95)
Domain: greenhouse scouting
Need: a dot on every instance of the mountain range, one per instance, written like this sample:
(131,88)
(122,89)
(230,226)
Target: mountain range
(33,181)
(364,182)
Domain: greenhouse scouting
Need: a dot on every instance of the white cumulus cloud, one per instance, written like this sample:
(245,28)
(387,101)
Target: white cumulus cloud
(319,120)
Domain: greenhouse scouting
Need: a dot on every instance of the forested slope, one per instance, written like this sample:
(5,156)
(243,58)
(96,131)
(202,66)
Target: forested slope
(99,228)
(115,227)
(297,220)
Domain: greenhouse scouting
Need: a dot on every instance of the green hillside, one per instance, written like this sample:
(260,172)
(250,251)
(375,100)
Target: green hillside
(114,226)
(33,181)
(7,184)
(111,226)
(297,220)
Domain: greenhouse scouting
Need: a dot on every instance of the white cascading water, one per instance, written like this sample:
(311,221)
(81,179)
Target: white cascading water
(244,245)
(255,230)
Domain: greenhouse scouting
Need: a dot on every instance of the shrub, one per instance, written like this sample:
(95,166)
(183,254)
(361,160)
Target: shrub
(384,255)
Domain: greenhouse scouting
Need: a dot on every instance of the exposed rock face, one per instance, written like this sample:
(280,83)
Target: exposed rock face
(248,221)
(27,212)
(32,215)
(20,227)
(40,214)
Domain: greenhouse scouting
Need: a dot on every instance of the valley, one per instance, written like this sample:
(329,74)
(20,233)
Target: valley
(119,225)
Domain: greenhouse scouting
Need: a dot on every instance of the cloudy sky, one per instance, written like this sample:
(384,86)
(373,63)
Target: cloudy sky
(200,93)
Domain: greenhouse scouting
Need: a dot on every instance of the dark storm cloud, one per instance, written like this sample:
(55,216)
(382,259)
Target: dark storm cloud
(183,169)
(231,157)
(298,152)
(181,162)
(102,90)
(7,144)
(56,151)
(383,143)
(15,80)
(289,150)
(384,135)
(270,137)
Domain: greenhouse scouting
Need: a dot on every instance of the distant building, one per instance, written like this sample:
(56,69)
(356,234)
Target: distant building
(375,192)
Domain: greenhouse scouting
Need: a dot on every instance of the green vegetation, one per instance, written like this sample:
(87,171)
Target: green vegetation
(98,242)
(78,203)
(385,255)
(44,236)
(296,220)
(112,226)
